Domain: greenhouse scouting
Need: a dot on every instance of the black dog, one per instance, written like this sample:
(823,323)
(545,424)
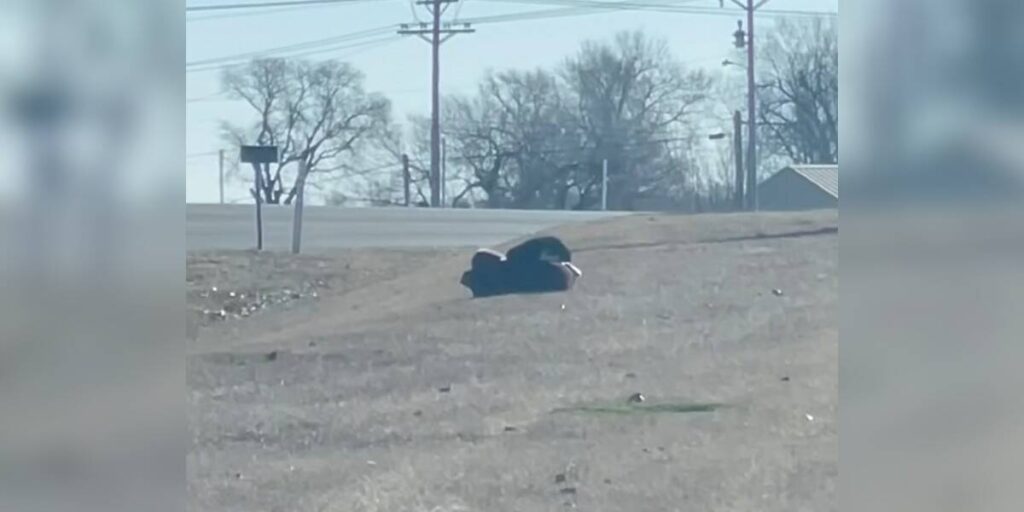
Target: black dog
(547,248)
(538,265)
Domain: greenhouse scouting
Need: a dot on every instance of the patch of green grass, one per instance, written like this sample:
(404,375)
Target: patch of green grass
(641,408)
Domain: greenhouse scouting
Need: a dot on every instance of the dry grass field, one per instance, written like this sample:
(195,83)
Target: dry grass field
(376,384)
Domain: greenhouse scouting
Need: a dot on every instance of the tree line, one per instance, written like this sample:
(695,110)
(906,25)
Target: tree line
(540,138)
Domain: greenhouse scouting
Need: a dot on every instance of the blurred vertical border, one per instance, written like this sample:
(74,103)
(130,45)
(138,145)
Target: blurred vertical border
(91,255)
(932,150)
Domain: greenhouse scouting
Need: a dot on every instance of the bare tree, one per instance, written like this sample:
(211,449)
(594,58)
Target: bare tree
(536,139)
(509,145)
(799,95)
(315,113)
(630,93)
(415,143)
(523,138)
(479,158)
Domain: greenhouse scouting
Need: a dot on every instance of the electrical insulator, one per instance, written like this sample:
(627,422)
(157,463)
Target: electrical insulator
(740,35)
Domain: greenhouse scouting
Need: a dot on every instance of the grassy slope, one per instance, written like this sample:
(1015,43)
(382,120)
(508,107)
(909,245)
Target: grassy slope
(337,406)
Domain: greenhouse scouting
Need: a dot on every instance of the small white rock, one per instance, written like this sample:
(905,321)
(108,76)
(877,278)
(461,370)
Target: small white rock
(809,417)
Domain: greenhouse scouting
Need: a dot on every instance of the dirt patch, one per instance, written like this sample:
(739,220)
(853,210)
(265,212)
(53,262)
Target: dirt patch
(228,286)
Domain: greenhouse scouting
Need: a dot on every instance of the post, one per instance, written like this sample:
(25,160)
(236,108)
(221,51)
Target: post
(751,191)
(604,184)
(221,169)
(259,204)
(257,155)
(406,178)
(737,143)
(300,185)
(444,172)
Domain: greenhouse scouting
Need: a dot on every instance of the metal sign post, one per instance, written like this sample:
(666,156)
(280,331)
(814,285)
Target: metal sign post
(444,173)
(220,167)
(406,179)
(297,216)
(257,155)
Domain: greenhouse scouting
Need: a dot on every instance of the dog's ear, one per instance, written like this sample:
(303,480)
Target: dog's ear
(490,253)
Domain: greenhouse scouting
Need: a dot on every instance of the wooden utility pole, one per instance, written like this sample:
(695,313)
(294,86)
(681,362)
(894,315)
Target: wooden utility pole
(747,40)
(737,148)
(751,191)
(435,31)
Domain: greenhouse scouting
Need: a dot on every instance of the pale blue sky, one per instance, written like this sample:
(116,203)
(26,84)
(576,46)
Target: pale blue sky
(400,67)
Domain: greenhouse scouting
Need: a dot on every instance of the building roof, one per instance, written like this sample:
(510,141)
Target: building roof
(825,177)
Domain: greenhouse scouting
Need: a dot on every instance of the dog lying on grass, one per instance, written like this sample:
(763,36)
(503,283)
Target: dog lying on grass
(538,265)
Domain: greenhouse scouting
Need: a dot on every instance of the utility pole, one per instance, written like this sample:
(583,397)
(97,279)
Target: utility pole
(737,148)
(406,178)
(436,31)
(221,169)
(747,40)
(751,191)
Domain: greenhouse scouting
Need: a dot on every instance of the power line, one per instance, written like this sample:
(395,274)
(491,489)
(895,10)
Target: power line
(458,9)
(211,97)
(553,13)
(256,12)
(666,6)
(201,155)
(580,7)
(588,6)
(292,47)
(259,5)
(363,45)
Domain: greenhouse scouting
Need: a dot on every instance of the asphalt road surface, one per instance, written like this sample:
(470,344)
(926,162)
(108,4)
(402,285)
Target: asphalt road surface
(213,226)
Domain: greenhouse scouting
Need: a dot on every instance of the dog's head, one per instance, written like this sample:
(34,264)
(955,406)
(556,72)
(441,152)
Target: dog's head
(572,268)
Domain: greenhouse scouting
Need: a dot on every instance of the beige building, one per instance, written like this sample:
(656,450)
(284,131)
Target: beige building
(800,187)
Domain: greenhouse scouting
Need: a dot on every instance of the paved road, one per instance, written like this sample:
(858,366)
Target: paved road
(212,226)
